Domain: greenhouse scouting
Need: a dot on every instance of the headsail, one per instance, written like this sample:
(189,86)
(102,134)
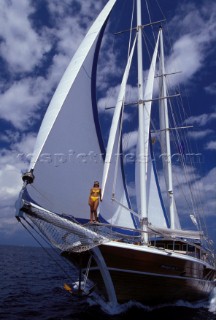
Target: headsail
(67,157)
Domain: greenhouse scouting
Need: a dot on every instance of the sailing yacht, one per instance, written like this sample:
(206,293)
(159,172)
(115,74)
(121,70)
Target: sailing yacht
(138,249)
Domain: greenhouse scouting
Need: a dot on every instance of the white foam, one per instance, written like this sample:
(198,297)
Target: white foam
(212,302)
(111,309)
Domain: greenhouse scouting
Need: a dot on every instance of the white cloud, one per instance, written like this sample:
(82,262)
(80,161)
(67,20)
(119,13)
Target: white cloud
(86,10)
(21,47)
(202,119)
(196,33)
(71,19)
(12,164)
(111,95)
(207,192)
(193,193)
(9,136)
(10,181)
(200,134)
(186,58)
(130,141)
(211,145)
(26,144)
(211,88)
(108,66)
(19,103)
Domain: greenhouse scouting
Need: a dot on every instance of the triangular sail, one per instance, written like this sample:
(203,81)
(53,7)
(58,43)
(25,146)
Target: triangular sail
(67,157)
(165,141)
(116,120)
(156,214)
(110,210)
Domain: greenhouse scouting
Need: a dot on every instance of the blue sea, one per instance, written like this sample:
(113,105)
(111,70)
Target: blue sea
(32,287)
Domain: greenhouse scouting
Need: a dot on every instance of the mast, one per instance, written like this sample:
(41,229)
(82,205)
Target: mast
(141,131)
(164,106)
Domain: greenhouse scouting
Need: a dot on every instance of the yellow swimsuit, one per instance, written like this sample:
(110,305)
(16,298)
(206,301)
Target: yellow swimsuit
(94,198)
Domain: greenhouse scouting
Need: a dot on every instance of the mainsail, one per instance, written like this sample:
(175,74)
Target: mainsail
(156,214)
(165,141)
(113,171)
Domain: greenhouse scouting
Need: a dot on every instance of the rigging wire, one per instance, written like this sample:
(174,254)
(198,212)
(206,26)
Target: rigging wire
(40,244)
(177,141)
(41,194)
(150,20)
(197,186)
(194,192)
(197,197)
(178,137)
(160,9)
(131,25)
(178,144)
(181,140)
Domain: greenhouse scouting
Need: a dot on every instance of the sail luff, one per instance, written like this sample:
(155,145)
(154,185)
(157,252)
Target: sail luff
(116,119)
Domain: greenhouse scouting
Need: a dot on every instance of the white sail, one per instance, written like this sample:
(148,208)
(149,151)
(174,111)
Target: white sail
(115,210)
(164,161)
(116,120)
(165,141)
(111,211)
(156,214)
(67,157)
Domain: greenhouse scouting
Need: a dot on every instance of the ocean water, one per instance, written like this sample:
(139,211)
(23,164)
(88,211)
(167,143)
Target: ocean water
(32,280)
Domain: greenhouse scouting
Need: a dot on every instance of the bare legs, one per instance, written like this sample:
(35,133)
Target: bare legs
(93,210)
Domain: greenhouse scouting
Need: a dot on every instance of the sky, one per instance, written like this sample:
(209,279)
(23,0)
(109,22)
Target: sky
(37,41)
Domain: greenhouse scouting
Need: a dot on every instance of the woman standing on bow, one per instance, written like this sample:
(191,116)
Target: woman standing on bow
(94,198)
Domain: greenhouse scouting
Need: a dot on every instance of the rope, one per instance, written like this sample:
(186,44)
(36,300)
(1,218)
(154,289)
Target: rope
(126,208)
